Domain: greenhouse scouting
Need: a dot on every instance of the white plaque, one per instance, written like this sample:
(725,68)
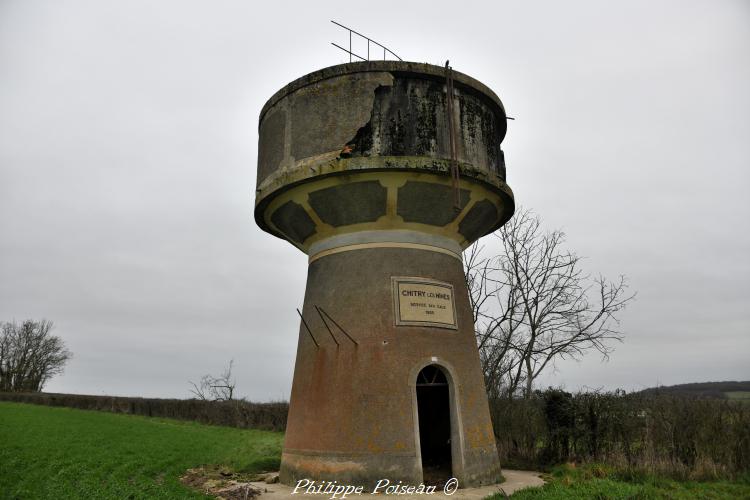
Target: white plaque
(423,302)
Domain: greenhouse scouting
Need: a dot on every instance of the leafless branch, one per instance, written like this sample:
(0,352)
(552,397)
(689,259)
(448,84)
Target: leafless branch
(211,388)
(544,308)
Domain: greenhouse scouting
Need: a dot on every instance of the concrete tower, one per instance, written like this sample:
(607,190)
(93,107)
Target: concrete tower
(382,181)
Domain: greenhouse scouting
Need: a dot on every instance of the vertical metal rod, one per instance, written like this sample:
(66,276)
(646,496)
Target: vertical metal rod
(307,328)
(327,327)
(350,45)
(452,137)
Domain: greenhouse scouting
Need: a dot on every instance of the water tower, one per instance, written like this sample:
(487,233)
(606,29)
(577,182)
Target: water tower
(382,172)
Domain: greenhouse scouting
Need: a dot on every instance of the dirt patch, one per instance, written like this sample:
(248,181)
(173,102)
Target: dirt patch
(223,483)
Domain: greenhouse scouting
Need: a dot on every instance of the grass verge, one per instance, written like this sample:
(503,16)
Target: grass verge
(64,453)
(601,482)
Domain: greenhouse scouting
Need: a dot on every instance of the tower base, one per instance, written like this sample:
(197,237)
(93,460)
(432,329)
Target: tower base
(393,389)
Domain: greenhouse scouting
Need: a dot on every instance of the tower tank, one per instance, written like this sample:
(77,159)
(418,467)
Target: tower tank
(382,172)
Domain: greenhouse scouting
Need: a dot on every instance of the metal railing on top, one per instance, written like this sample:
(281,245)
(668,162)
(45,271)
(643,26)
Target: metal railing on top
(386,50)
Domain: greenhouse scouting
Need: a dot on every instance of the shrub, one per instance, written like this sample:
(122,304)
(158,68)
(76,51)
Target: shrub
(684,437)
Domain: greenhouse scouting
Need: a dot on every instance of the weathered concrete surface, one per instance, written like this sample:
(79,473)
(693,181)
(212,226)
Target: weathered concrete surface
(352,408)
(355,169)
(379,108)
(373,116)
(372,200)
(514,480)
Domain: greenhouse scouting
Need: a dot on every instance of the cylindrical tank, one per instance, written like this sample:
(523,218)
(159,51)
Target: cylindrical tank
(356,169)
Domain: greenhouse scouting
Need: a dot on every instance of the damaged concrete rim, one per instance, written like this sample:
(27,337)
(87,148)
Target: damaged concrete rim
(414,68)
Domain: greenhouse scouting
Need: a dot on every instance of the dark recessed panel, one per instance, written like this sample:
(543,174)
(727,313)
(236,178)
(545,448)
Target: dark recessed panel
(429,203)
(351,203)
(480,219)
(292,220)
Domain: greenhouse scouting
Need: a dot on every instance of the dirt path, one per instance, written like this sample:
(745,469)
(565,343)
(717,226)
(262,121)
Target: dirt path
(514,481)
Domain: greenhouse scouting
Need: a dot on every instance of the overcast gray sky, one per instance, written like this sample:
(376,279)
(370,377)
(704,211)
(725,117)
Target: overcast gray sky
(128,144)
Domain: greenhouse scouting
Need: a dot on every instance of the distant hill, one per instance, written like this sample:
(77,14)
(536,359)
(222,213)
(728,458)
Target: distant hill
(714,390)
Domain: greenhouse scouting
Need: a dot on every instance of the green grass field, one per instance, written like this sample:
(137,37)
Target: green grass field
(64,453)
(743,396)
(61,453)
(601,482)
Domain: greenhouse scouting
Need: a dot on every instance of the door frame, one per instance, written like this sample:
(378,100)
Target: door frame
(457,434)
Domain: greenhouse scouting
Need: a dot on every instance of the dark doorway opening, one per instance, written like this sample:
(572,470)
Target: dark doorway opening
(433,408)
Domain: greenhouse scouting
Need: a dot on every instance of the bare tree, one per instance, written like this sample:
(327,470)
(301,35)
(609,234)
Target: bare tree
(30,355)
(212,388)
(533,304)
(495,312)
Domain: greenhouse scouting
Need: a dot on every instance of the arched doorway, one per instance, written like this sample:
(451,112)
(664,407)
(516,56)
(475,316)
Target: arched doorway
(433,409)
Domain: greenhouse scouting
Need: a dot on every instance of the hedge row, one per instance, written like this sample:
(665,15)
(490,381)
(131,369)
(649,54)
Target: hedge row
(685,437)
(239,413)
